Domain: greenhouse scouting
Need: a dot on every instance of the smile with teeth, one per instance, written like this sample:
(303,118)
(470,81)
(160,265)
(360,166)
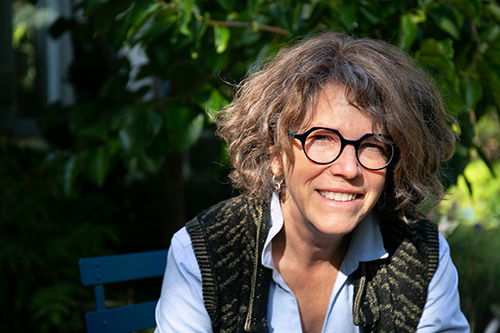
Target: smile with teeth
(338,196)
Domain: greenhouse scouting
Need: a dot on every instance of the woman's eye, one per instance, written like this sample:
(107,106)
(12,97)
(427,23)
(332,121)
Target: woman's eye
(321,137)
(378,146)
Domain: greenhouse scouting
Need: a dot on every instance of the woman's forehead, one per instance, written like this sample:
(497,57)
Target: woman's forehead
(327,103)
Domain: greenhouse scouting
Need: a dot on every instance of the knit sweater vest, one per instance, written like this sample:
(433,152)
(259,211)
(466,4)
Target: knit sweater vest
(228,239)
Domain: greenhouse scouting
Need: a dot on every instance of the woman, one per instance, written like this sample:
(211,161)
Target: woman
(335,144)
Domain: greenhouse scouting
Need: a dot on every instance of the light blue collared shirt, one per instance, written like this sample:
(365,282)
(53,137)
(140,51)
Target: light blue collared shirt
(181,307)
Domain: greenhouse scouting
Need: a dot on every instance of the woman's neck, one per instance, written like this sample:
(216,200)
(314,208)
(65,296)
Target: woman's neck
(307,249)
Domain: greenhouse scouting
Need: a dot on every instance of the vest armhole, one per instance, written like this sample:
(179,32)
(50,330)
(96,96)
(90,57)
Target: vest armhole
(199,245)
(433,249)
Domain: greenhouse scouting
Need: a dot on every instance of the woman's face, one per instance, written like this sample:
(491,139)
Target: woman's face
(330,199)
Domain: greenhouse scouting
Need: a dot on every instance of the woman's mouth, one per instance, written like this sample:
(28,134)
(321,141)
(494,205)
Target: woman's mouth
(338,196)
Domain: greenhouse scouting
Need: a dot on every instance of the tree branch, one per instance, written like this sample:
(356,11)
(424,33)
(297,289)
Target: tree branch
(235,24)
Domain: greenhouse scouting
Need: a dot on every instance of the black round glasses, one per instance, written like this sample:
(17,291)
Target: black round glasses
(324,145)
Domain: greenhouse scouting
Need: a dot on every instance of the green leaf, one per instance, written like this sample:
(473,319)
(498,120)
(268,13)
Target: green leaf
(141,19)
(193,132)
(494,10)
(423,4)
(438,55)
(155,23)
(227,5)
(187,7)
(407,31)
(253,7)
(473,92)
(105,13)
(467,130)
(214,103)
(486,160)
(97,130)
(144,162)
(491,79)
(471,9)
(83,115)
(139,128)
(70,172)
(431,46)
(491,34)
(349,15)
(183,130)
(221,38)
(198,29)
(98,163)
(446,24)
(149,163)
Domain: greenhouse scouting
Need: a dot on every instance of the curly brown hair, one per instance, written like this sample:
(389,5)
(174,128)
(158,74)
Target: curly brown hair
(380,80)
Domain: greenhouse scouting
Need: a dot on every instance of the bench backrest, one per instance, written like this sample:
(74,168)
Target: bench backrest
(98,271)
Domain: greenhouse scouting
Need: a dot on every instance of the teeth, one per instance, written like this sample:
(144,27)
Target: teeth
(338,196)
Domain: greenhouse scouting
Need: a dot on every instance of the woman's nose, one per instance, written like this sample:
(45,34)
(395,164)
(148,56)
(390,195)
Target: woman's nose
(346,165)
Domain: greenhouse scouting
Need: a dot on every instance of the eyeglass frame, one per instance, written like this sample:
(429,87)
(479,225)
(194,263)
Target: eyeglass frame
(302,137)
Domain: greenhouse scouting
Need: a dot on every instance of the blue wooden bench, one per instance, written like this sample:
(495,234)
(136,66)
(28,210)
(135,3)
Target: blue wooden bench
(98,271)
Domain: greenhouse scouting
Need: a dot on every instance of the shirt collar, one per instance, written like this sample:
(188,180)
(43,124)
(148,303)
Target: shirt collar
(366,241)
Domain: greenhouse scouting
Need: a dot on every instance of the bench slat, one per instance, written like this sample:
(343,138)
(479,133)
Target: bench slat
(122,319)
(122,267)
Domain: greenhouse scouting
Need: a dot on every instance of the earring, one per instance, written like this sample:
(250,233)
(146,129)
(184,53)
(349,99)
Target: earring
(277,183)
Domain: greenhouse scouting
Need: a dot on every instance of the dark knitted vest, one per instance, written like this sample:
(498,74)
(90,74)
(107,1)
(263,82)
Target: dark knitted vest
(228,240)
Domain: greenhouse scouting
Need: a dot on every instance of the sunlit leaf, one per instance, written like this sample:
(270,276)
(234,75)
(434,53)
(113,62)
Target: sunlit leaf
(214,103)
(407,31)
(221,38)
(494,9)
(487,161)
(431,46)
(187,7)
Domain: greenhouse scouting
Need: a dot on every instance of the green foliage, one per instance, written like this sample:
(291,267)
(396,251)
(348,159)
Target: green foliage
(470,218)
(477,201)
(190,44)
(475,253)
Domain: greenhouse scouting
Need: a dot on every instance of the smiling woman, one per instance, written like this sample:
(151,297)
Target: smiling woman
(335,144)
(312,188)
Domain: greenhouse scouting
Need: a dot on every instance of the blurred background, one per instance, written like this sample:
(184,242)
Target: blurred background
(107,144)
